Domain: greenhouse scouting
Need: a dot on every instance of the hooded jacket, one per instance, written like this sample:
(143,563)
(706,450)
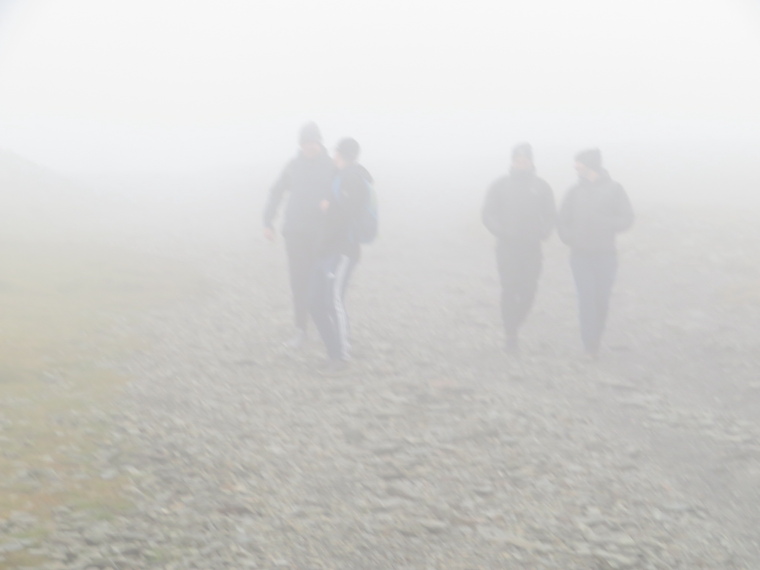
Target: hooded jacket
(519,208)
(308,182)
(592,213)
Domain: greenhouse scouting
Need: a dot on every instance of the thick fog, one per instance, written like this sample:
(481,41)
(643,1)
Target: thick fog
(171,103)
(165,400)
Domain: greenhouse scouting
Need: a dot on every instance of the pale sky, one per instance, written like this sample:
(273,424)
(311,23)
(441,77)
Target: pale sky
(105,84)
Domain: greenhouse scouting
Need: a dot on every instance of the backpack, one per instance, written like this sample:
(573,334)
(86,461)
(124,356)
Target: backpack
(364,225)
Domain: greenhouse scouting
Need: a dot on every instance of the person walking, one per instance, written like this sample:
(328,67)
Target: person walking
(307,179)
(592,213)
(520,211)
(345,211)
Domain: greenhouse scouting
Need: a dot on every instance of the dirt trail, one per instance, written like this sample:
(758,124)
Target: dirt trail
(438,450)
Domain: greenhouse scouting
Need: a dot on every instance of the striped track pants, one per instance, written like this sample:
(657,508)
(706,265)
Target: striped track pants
(328,307)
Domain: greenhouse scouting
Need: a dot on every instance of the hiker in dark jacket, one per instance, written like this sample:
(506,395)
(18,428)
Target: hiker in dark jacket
(340,252)
(307,179)
(519,210)
(592,213)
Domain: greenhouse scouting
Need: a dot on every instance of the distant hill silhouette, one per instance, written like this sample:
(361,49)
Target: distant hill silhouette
(38,202)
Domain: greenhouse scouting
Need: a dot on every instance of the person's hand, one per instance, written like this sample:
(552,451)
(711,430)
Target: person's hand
(324,205)
(269,234)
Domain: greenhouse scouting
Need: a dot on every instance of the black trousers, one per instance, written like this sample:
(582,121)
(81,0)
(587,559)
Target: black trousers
(519,267)
(302,249)
(594,274)
(328,303)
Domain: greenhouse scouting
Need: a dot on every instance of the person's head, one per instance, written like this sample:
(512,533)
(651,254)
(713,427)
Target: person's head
(522,157)
(588,164)
(310,140)
(346,152)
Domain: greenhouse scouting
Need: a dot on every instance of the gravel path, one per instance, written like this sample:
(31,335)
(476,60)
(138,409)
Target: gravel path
(437,450)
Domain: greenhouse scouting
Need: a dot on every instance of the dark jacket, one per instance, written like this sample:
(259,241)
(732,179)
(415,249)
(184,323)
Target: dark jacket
(592,213)
(520,208)
(350,193)
(308,181)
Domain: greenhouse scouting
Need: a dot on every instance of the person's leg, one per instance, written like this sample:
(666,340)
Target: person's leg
(301,250)
(506,264)
(343,270)
(508,271)
(584,274)
(528,272)
(322,308)
(605,273)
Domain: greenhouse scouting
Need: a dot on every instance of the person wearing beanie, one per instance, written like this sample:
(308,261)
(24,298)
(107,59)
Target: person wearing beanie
(591,158)
(519,210)
(306,179)
(310,133)
(340,252)
(592,213)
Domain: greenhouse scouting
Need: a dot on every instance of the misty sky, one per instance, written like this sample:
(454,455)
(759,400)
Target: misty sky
(100,84)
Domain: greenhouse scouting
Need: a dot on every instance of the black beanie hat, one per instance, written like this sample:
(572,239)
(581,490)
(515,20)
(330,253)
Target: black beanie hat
(591,158)
(523,149)
(348,149)
(310,133)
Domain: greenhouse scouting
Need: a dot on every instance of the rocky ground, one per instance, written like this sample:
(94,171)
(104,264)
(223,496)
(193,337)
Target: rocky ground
(437,450)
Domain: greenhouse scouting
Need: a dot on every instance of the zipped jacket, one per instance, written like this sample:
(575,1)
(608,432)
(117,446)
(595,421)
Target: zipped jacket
(593,213)
(520,208)
(308,182)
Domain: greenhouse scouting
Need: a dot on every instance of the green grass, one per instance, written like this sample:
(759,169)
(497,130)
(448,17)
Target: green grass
(58,304)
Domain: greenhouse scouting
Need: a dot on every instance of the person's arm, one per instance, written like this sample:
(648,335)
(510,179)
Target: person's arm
(491,211)
(276,193)
(622,217)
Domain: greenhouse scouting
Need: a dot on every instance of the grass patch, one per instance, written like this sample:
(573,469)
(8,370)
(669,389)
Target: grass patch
(62,306)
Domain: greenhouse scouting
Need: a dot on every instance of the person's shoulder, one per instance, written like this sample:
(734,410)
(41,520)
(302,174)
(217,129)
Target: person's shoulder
(571,193)
(289,170)
(294,162)
(614,187)
(501,182)
(542,185)
(364,173)
(356,175)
